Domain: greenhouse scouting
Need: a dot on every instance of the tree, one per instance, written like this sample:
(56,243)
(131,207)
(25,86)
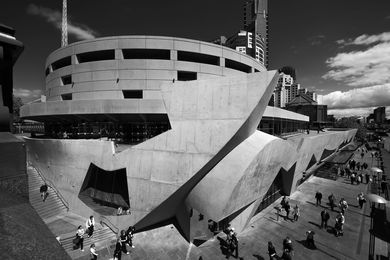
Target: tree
(17,103)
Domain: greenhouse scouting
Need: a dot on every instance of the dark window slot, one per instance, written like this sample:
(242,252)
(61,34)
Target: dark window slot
(146,54)
(186,75)
(66,80)
(231,64)
(96,56)
(67,61)
(66,96)
(197,57)
(136,94)
(47,71)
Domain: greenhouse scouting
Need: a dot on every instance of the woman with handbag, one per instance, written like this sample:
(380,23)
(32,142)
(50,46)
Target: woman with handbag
(90,224)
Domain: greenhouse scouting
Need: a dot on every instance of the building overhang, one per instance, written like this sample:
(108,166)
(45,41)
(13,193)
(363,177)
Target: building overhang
(95,111)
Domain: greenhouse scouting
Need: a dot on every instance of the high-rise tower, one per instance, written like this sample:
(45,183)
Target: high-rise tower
(64,38)
(256,22)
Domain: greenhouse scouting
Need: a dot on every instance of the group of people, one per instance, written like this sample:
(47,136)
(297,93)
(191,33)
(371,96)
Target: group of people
(285,204)
(231,242)
(287,250)
(125,239)
(78,241)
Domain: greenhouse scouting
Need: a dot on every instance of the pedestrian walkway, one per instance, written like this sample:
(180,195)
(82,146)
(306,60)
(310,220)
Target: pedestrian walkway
(167,243)
(61,222)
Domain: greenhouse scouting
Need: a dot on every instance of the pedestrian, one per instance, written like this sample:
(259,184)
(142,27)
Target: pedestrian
(296,213)
(361,200)
(130,234)
(278,210)
(332,200)
(43,190)
(287,208)
(310,239)
(90,225)
(353,176)
(118,249)
(123,239)
(340,219)
(79,240)
(359,179)
(93,253)
(234,243)
(343,205)
(287,244)
(271,251)
(367,177)
(287,255)
(324,218)
(283,202)
(318,197)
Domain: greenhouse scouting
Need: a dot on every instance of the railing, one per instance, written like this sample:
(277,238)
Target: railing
(51,185)
(108,223)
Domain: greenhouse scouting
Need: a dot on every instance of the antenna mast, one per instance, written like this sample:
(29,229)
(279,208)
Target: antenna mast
(64,41)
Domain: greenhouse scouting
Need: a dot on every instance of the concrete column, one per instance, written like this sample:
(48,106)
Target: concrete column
(118,54)
(173,54)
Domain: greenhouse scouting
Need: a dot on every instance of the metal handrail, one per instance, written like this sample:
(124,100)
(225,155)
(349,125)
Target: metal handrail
(108,223)
(51,185)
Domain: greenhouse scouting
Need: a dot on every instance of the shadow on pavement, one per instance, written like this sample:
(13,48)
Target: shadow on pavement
(315,224)
(258,257)
(303,242)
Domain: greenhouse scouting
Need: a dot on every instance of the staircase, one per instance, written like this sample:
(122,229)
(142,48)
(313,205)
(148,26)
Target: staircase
(62,223)
(52,206)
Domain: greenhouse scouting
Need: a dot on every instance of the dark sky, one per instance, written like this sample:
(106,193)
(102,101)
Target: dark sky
(303,34)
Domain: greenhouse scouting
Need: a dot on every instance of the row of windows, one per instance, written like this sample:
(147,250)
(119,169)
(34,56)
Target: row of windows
(154,54)
(127,94)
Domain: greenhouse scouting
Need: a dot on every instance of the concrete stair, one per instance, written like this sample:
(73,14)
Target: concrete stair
(63,223)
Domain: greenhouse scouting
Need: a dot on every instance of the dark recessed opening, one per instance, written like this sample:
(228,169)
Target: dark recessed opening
(47,71)
(96,56)
(197,57)
(67,61)
(146,54)
(256,70)
(186,75)
(105,191)
(137,94)
(231,64)
(66,80)
(66,96)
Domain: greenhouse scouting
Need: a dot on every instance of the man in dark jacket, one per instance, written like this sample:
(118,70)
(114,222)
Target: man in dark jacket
(324,218)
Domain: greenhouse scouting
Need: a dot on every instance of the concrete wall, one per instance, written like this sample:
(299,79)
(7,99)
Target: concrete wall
(212,160)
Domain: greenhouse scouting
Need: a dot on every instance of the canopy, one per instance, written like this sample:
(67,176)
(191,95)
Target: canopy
(376,198)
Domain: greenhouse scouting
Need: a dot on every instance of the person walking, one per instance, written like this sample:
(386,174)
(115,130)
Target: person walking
(123,240)
(79,240)
(343,205)
(287,244)
(118,249)
(43,190)
(361,200)
(130,235)
(340,219)
(92,252)
(287,255)
(287,208)
(296,213)
(271,251)
(90,225)
(234,243)
(310,239)
(332,200)
(324,218)
(318,197)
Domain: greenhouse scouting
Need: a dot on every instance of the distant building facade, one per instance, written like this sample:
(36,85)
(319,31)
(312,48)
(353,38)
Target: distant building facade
(303,104)
(380,115)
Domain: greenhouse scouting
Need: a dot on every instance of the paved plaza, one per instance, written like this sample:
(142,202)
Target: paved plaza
(166,242)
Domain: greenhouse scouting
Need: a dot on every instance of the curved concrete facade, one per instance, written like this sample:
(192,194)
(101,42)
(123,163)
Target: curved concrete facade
(103,69)
(212,161)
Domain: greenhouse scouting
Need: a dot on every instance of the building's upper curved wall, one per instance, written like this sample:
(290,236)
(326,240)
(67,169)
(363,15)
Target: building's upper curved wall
(103,68)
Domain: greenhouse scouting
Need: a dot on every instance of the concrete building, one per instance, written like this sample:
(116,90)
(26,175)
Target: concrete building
(199,158)
(380,115)
(305,105)
(282,91)
(256,23)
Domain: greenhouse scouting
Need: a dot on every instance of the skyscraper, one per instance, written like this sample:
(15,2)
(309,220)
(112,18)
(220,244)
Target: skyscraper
(256,22)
